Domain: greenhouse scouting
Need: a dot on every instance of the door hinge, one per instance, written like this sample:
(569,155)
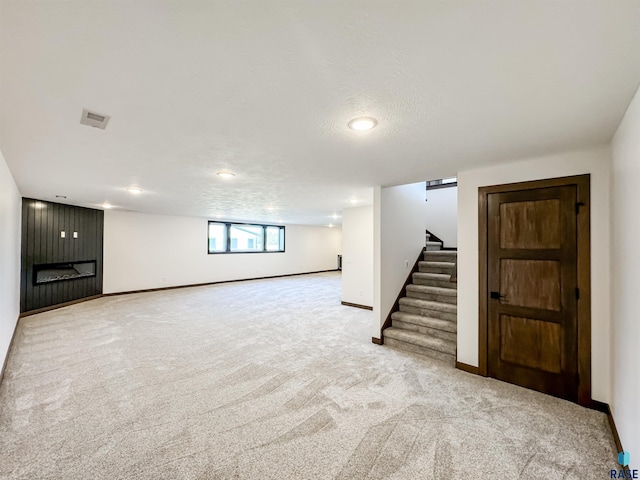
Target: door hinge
(577,293)
(578,205)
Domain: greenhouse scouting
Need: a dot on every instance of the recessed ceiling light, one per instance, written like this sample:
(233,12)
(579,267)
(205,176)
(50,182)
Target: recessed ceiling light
(134,190)
(61,196)
(363,123)
(353,201)
(226,174)
(331,225)
(106,206)
(335,216)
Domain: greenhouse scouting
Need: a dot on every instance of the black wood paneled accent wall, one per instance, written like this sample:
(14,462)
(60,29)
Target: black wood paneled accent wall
(42,223)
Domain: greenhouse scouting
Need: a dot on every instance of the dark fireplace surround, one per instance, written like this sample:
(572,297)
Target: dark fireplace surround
(61,258)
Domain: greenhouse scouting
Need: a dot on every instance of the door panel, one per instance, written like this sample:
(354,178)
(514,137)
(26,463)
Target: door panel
(531,343)
(519,277)
(531,224)
(532,272)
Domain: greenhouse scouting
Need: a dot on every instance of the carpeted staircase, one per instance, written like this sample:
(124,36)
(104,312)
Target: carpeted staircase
(426,323)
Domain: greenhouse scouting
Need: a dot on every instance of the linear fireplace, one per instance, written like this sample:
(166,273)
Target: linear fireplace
(57,272)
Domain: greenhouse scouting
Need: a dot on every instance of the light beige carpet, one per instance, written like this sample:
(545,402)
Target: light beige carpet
(270,379)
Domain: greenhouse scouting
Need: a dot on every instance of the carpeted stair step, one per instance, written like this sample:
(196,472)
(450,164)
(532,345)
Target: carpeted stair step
(426,308)
(435,323)
(434,327)
(433,280)
(435,294)
(437,267)
(433,246)
(422,344)
(441,256)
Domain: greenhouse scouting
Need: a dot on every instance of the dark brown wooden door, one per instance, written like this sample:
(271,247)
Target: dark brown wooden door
(532,286)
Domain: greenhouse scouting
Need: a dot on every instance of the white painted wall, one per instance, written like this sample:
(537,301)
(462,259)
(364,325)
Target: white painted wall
(10,232)
(597,162)
(442,214)
(144,251)
(399,224)
(357,255)
(625,276)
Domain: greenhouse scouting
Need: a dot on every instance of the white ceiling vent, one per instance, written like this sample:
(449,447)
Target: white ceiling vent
(94,119)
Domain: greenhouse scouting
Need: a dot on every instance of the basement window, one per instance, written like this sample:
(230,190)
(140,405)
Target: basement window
(442,183)
(245,238)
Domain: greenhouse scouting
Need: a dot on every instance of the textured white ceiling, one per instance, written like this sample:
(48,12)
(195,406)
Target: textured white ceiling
(266,88)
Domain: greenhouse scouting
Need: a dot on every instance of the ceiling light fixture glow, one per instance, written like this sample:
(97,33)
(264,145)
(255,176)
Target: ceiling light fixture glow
(226,174)
(134,190)
(107,206)
(363,123)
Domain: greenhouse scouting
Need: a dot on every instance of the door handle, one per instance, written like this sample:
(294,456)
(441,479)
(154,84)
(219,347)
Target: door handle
(496,295)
